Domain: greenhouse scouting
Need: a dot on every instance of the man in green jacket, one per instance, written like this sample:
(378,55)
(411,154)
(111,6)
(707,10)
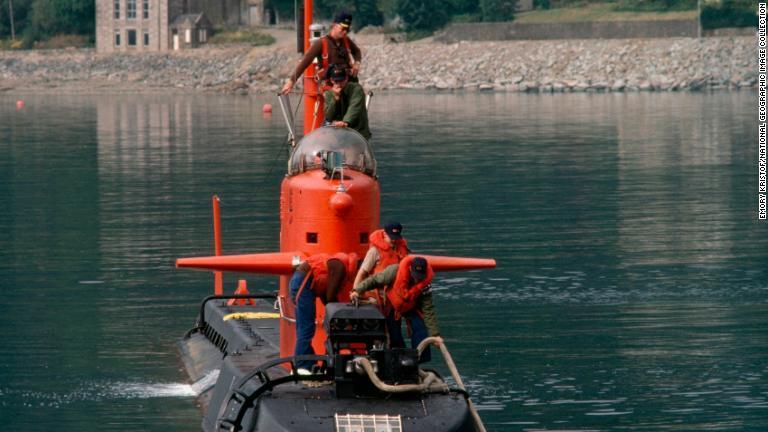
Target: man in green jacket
(345,103)
(419,310)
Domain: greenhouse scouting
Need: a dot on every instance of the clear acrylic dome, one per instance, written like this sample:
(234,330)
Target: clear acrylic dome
(355,151)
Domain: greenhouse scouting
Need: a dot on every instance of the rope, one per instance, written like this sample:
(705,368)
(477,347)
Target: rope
(438,342)
(314,115)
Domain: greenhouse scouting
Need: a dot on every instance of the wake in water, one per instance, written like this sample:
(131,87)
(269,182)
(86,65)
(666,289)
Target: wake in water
(145,391)
(94,392)
(205,382)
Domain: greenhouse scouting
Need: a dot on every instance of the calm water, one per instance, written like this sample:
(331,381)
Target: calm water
(631,291)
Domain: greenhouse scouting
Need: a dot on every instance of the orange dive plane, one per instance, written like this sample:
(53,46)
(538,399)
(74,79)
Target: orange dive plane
(329,203)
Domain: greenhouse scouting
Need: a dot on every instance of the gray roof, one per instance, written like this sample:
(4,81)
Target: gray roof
(191,20)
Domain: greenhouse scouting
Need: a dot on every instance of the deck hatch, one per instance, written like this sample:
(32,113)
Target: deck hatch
(368,423)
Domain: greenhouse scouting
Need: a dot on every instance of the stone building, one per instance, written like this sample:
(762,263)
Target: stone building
(145,25)
(189,31)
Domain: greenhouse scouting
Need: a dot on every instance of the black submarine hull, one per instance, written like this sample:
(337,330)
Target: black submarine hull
(232,357)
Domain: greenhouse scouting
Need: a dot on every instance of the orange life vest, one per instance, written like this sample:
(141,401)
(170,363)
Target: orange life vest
(402,296)
(389,254)
(319,270)
(324,60)
(324,57)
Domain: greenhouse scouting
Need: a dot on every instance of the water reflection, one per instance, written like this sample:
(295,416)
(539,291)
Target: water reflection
(630,293)
(658,217)
(137,136)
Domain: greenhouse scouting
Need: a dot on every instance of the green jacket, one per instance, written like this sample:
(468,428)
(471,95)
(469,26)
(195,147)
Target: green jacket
(386,278)
(350,108)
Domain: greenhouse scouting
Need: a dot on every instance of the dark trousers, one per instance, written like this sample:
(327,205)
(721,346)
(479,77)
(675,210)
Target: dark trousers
(305,317)
(418,332)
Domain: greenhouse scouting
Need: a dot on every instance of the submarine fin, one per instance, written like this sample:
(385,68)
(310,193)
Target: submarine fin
(449,263)
(277,263)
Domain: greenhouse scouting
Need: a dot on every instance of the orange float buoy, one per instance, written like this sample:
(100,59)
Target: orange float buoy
(19,104)
(341,203)
(267,109)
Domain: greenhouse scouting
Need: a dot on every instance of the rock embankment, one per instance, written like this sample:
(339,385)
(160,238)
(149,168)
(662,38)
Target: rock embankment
(563,65)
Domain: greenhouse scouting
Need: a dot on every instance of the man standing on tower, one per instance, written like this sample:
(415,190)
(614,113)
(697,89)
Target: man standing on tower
(333,49)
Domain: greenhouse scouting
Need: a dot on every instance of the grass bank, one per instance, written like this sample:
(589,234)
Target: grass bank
(598,12)
(241,36)
(56,42)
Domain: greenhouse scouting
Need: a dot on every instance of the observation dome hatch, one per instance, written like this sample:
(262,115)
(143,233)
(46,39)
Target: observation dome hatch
(339,145)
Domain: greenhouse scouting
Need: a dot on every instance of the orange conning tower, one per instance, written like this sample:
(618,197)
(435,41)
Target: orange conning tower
(329,203)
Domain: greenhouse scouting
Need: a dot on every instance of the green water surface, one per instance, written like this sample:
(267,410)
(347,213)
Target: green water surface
(632,284)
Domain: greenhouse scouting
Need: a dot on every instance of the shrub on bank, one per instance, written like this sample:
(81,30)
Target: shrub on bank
(65,41)
(497,10)
(423,15)
(728,13)
(655,5)
(59,41)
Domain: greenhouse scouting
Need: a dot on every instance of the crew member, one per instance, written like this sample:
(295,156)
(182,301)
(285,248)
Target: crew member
(323,276)
(345,103)
(409,294)
(334,48)
(387,247)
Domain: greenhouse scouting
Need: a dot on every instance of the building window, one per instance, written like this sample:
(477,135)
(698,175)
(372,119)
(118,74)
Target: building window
(145,9)
(146,39)
(131,37)
(117,39)
(188,36)
(130,9)
(117,9)
(203,35)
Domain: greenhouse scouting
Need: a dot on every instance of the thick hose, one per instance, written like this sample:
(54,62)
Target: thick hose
(428,379)
(438,342)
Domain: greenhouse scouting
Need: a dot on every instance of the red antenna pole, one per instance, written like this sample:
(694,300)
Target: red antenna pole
(218,279)
(313,102)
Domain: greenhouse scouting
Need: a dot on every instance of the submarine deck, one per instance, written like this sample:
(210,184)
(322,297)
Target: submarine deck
(231,342)
(247,335)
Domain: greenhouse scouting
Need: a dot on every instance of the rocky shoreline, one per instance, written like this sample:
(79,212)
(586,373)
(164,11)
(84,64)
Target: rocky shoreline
(521,66)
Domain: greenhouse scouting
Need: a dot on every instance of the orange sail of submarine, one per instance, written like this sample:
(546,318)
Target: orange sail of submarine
(329,203)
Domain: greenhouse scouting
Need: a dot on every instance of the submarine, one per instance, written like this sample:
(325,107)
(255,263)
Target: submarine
(239,353)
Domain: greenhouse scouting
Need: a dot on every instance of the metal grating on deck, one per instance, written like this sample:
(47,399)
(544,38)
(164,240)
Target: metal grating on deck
(368,423)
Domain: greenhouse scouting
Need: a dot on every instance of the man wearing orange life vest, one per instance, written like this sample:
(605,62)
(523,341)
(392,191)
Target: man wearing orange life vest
(409,295)
(387,247)
(332,49)
(323,276)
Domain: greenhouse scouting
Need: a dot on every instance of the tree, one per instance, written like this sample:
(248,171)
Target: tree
(419,15)
(498,10)
(283,8)
(52,17)
(367,13)
(364,12)
(733,13)
(21,10)
(464,7)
